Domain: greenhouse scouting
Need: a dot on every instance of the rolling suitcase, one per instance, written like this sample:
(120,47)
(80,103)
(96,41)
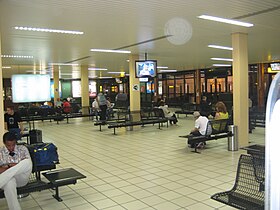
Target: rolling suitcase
(35,136)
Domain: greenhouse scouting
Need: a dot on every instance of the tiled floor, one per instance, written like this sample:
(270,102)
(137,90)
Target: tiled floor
(146,168)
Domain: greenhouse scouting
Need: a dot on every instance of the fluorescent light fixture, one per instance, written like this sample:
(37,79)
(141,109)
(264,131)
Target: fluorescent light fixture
(37,71)
(168,70)
(63,64)
(111,51)
(224,20)
(23,28)
(115,72)
(220,47)
(16,56)
(224,65)
(162,67)
(222,59)
(97,69)
(6,67)
(66,74)
(105,77)
(126,74)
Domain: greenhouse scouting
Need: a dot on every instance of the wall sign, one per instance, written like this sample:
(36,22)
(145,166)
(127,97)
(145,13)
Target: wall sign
(135,87)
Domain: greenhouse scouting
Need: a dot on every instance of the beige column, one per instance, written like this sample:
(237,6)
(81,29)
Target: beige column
(197,86)
(261,86)
(134,87)
(84,89)
(56,83)
(240,86)
(1,99)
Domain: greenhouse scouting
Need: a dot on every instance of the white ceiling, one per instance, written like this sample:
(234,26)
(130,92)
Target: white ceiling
(113,24)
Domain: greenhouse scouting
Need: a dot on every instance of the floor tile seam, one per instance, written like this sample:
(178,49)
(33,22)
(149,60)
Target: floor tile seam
(171,202)
(51,193)
(37,204)
(74,191)
(107,197)
(120,204)
(141,202)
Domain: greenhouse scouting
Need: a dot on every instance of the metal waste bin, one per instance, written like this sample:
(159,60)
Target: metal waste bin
(233,139)
(129,117)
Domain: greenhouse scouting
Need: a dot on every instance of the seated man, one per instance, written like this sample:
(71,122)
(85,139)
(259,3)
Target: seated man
(205,107)
(13,122)
(15,169)
(200,127)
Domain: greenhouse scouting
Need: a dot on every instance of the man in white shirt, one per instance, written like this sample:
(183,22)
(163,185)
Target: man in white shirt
(200,124)
(15,169)
(200,127)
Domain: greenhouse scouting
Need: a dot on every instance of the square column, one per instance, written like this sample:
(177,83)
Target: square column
(56,83)
(2,130)
(240,87)
(134,87)
(84,89)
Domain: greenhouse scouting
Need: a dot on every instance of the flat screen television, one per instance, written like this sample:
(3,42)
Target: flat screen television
(275,66)
(145,68)
(31,88)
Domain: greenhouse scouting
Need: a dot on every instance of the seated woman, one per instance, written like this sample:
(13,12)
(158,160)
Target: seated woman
(167,114)
(221,113)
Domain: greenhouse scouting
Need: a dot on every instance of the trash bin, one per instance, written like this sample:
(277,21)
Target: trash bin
(129,117)
(233,139)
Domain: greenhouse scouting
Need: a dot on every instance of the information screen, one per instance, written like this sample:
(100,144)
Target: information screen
(31,88)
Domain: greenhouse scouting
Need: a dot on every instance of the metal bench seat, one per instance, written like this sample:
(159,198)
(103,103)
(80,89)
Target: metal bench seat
(115,125)
(216,129)
(248,190)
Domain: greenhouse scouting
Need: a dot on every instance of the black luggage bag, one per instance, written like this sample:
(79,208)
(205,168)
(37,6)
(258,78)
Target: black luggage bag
(35,136)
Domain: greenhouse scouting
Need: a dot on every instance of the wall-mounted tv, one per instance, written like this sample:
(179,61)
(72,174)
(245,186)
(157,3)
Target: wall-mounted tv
(146,68)
(275,66)
(31,88)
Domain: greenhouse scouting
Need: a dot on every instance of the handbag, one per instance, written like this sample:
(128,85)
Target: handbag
(43,154)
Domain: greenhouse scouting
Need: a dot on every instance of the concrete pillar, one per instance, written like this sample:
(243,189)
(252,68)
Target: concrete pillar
(240,87)
(2,131)
(134,87)
(84,89)
(56,83)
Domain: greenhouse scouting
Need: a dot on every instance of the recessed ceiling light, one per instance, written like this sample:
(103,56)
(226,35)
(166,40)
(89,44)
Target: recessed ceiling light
(23,28)
(63,64)
(16,56)
(168,70)
(112,51)
(97,69)
(6,67)
(225,65)
(220,47)
(162,67)
(222,59)
(224,20)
